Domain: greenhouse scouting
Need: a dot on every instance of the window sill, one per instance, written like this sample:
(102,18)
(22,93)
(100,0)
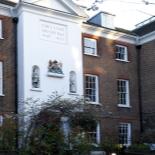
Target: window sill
(122,60)
(94,103)
(2,95)
(73,94)
(36,89)
(55,75)
(93,55)
(1,38)
(124,106)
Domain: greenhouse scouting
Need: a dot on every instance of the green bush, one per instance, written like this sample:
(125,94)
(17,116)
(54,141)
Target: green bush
(43,135)
(138,148)
(80,144)
(8,135)
(46,139)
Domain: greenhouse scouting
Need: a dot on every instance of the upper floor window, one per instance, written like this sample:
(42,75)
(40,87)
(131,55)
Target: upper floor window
(90,46)
(91,88)
(72,82)
(35,77)
(125,134)
(1,78)
(1,31)
(123,93)
(121,53)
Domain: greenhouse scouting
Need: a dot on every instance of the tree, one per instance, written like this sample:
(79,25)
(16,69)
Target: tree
(47,133)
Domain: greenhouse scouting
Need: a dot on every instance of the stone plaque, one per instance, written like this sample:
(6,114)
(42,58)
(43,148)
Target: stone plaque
(53,32)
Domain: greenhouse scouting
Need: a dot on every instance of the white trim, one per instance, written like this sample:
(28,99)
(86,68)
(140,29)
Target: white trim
(91,55)
(73,94)
(95,103)
(55,75)
(94,55)
(146,38)
(1,78)
(124,106)
(44,11)
(129,136)
(5,10)
(1,29)
(109,33)
(122,60)
(36,89)
(98,133)
(69,5)
(75,8)
(1,120)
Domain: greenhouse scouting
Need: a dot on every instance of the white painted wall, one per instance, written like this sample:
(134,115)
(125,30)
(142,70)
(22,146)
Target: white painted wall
(35,49)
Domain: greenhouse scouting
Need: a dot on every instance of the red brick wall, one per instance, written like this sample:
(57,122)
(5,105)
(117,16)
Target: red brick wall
(109,70)
(7,56)
(147,63)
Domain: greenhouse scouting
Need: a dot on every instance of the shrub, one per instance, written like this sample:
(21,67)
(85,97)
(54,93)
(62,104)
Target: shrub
(44,134)
(8,135)
(138,148)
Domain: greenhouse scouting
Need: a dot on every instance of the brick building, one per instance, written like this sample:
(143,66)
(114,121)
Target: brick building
(115,63)
(7,60)
(110,73)
(146,56)
(119,75)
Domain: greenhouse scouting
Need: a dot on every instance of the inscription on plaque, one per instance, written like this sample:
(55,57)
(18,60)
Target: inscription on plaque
(53,32)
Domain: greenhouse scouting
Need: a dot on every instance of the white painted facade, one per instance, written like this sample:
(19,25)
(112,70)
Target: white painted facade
(45,34)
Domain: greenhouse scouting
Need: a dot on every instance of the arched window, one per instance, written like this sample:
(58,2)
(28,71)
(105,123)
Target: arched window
(72,82)
(35,77)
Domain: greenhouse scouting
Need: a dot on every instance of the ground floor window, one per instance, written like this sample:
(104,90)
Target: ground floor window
(125,134)
(94,135)
(81,128)
(1,78)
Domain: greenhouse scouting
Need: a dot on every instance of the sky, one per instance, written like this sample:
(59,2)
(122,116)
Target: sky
(128,12)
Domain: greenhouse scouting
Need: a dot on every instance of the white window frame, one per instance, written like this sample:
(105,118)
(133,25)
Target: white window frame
(1,30)
(93,48)
(1,120)
(97,134)
(1,78)
(120,93)
(126,126)
(96,88)
(125,53)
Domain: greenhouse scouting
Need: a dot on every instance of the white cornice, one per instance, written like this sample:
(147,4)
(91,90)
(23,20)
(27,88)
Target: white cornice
(5,10)
(116,35)
(44,11)
(146,38)
(78,10)
(109,33)
(70,5)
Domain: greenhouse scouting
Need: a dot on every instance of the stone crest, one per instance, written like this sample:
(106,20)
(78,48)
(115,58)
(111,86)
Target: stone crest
(55,67)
